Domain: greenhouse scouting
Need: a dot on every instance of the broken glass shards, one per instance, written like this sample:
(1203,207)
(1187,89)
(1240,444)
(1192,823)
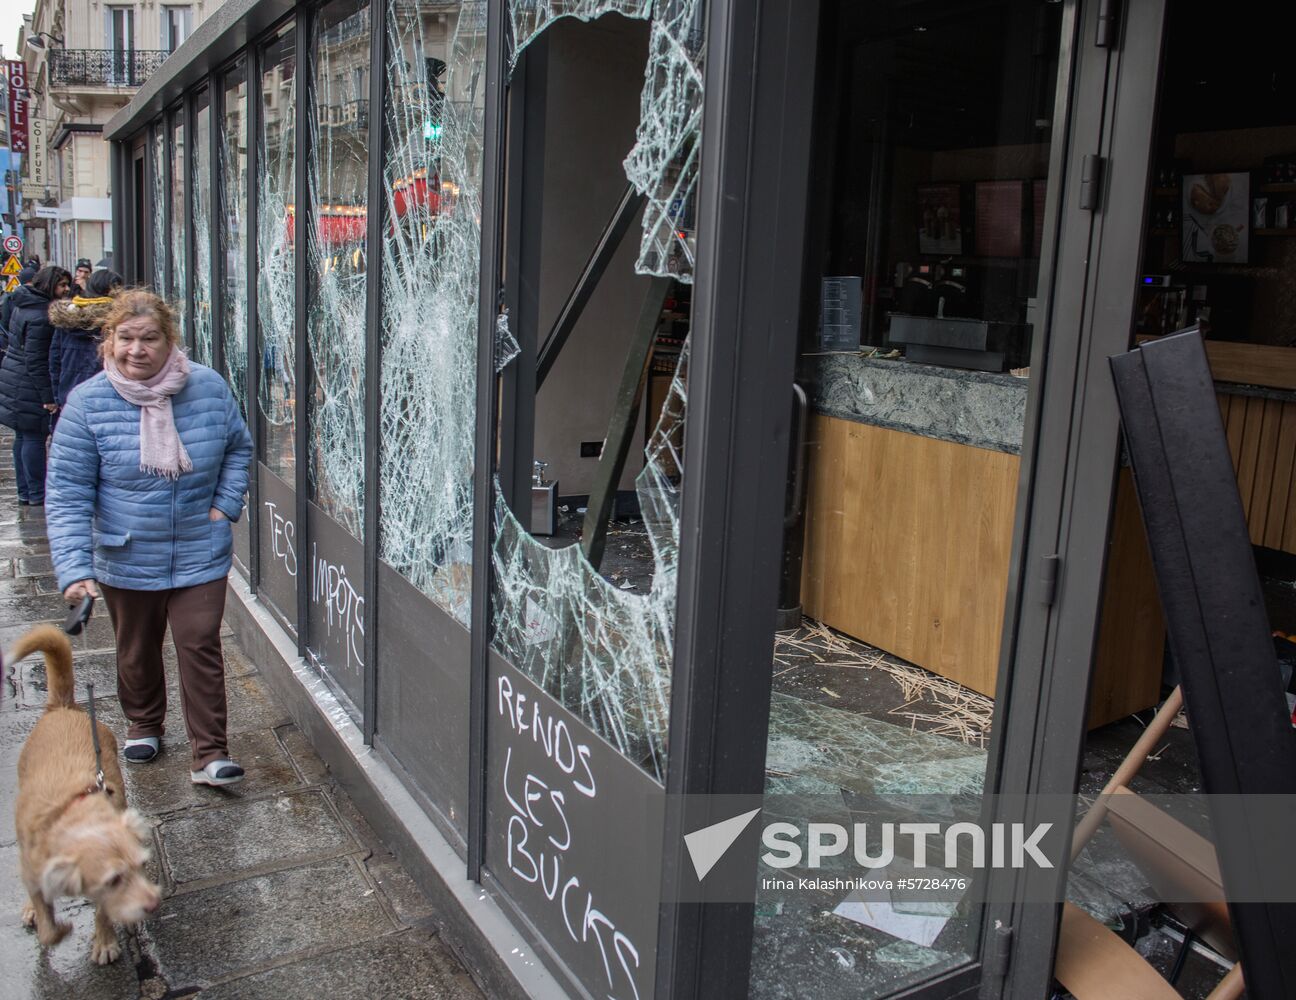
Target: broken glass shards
(663,165)
(506,345)
(275,267)
(159,211)
(202,214)
(530,17)
(602,652)
(234,192)
(337,262)
(431,257)
(177,294)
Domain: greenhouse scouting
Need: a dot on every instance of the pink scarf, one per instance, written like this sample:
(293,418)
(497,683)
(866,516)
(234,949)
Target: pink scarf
(161,453)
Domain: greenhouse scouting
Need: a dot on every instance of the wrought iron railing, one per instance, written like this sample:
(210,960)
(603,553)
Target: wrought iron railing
(103,67)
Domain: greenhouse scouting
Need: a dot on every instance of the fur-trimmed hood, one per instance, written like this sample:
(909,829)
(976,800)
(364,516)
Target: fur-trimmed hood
(80,314)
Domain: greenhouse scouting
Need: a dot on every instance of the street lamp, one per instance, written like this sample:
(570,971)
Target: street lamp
(36,41)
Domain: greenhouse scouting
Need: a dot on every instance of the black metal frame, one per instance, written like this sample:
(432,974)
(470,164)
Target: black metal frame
(751,214)
(492,204)
(376,225)
(252,71)
(189,114)
(216,228)
(304,94)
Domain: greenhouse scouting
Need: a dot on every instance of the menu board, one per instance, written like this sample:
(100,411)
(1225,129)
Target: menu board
(1000,209)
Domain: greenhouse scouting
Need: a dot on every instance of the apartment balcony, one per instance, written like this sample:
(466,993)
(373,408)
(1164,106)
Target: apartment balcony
(79,69)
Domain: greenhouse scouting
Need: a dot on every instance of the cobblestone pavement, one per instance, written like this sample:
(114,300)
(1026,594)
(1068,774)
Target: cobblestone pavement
(272,888)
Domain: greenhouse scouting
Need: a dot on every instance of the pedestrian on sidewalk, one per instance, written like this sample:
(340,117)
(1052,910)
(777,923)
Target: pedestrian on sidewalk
(26,396)
(78,323)
(147,471)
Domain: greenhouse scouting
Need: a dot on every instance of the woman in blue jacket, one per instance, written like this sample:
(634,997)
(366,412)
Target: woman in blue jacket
(147,472)
(26,396)
(78,323)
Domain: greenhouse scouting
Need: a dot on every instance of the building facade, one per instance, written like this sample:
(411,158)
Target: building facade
(635,382)
(84,62)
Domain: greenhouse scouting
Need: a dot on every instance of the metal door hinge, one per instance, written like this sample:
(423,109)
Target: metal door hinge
(999,952)
(1108,19)
(1049,578)
(1091,173)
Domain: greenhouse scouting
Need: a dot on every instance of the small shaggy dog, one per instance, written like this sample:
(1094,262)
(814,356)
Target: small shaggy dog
(74,839)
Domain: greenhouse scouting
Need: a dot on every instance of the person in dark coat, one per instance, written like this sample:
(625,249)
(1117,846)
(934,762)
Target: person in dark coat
(78,324)
(26,396)
(6,307)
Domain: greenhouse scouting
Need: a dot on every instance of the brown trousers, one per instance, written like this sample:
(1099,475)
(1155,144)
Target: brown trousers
(139,619)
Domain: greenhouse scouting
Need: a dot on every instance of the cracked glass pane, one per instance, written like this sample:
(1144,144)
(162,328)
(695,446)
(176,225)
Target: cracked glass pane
(159,209)
(176,293)
(431,261)
(506,345)
(663,166)
(337,261)
(530,17)
(202,230)
(234,189)
(602,651)
(275,270)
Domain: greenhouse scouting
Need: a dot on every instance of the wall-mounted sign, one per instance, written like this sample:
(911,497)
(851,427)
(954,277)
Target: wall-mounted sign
(37,157)
(17,72)
(44,212)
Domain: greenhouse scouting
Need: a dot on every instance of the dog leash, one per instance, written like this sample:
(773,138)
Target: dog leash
(94,736)
(74,625)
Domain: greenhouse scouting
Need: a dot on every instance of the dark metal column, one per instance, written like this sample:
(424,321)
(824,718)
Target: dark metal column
(168,186)
(124,208)
(376,228)
(751,220)
(492,204)
(524,203)
(252,260)
(188,115)
(305,97)
(216,226)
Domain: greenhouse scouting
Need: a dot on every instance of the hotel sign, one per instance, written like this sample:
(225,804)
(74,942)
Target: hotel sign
(17,71)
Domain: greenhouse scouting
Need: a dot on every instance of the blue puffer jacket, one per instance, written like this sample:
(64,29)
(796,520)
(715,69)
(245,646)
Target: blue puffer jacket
(109,521)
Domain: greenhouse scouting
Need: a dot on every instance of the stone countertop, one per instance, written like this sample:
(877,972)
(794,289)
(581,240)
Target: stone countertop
(982,409)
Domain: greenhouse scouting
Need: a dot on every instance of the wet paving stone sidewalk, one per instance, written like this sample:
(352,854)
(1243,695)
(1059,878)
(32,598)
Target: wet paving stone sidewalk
(275,887)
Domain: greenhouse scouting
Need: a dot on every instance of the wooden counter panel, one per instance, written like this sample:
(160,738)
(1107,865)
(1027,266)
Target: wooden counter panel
(908,541)
(907,547)
(1262,441)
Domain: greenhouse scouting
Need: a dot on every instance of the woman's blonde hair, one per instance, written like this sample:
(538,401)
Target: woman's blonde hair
(136,303)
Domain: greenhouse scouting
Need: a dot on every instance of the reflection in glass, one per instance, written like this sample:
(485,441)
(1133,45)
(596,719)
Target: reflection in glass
(234,192)
(179,248)
(275,268)
(337,260)
(159,209)
(431,262)
(202,230)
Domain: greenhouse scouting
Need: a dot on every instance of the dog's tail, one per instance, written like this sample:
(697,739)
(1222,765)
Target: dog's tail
(56,646)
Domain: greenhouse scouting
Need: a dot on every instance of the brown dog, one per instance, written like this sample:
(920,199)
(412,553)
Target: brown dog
(74,839)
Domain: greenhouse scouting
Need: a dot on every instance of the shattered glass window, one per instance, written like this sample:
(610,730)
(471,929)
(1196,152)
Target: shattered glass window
(338,259)
(663,166)
(202,230)
(176,293)
(602,651)
(530,17)
(234,192)
(159,210)
(431,262)
(276,272)
(601,646)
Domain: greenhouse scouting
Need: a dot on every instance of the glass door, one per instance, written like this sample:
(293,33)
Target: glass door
(933,214)
(121,45)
